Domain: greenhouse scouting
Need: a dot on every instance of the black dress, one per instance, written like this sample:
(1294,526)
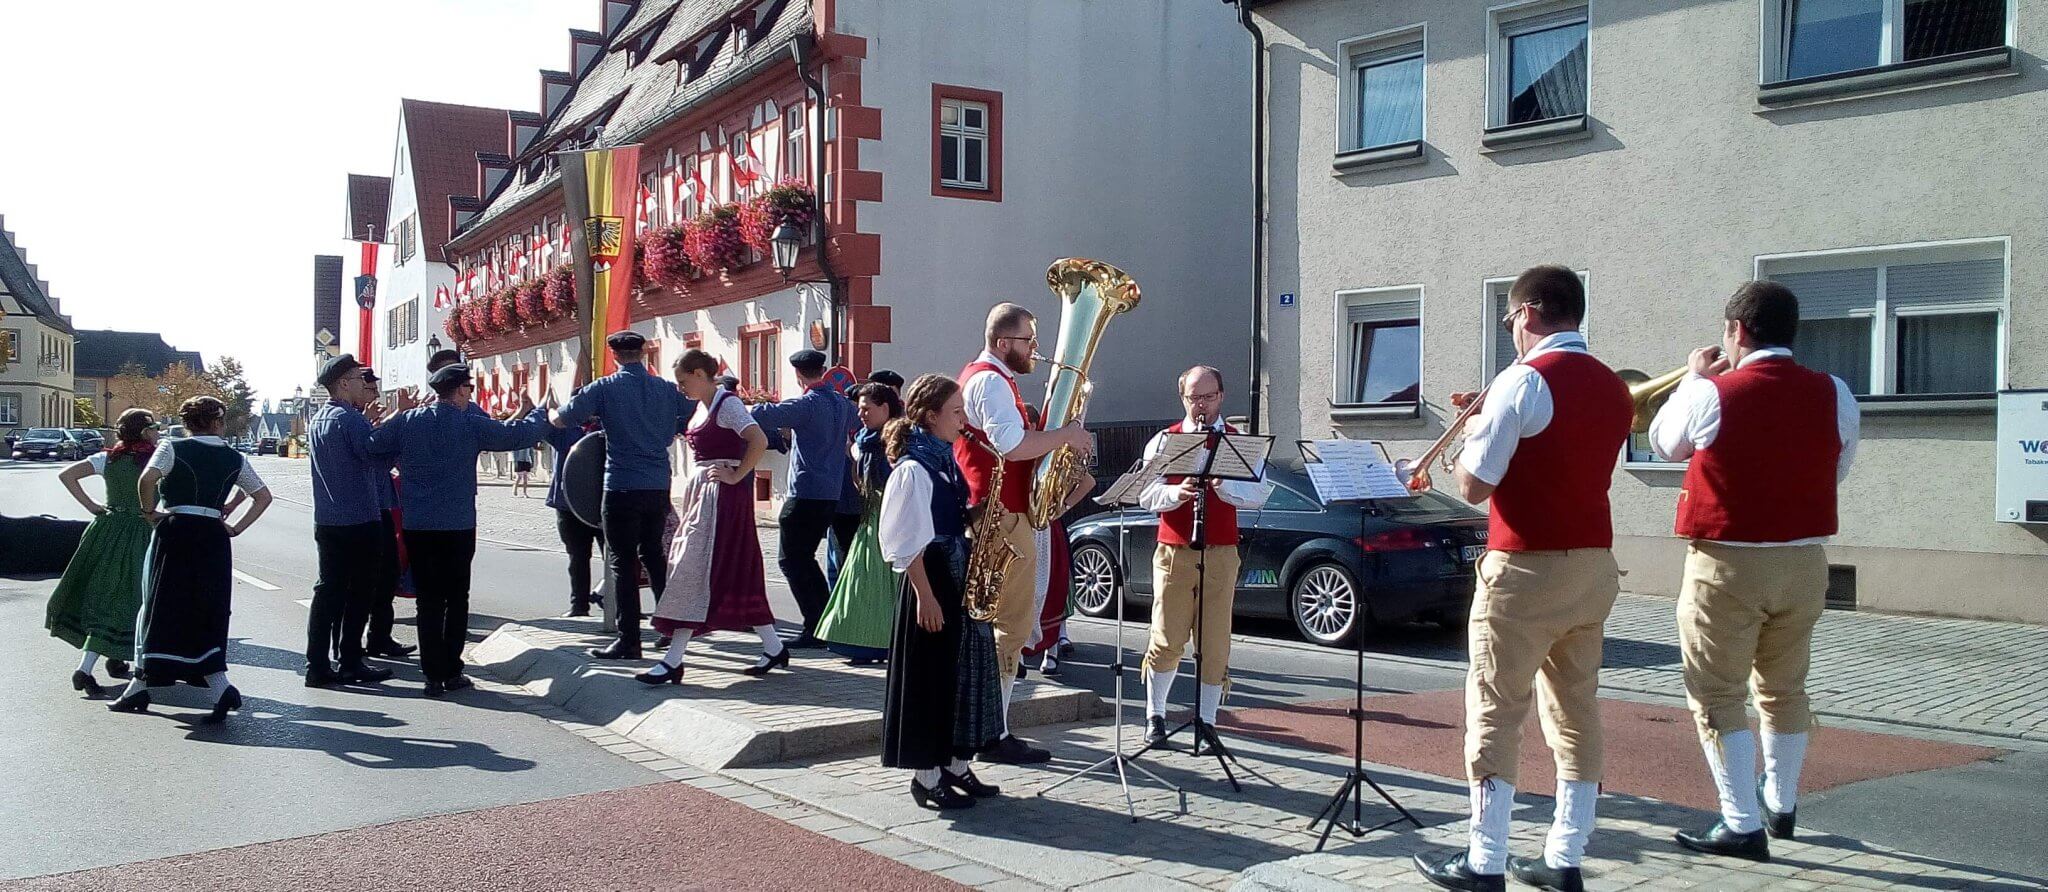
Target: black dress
(182,631)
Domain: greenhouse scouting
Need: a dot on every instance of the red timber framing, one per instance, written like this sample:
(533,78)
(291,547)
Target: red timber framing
(855,255)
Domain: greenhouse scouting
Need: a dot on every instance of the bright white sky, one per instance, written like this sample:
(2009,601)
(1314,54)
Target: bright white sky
(174,167)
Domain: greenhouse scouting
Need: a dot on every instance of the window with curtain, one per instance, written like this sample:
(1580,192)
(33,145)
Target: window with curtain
(1905,328)
(1500,346)
(1381,343)
(1388,85)
(1546,70)
(1822,37)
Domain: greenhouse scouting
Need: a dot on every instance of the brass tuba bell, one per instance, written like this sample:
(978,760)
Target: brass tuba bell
(1091,292)
(1646,394)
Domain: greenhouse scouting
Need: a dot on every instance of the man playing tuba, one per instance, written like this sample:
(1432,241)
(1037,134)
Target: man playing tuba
(996,426)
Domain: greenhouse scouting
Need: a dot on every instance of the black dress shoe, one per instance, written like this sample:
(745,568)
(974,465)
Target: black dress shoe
(939,798)
(1538,872)
(436,690)
(1020,670)
(661,674)
(1066,649)
(779,661)
(119,669)
(391,650)
(321,676)
(136,702)
(230,700)
(582,610)
(1155,734)
(1451,872)
(805,640)
(364,674)
(457,682)
(1010,750)
(83,681)
(663,641)
(967,783)
(1719,840)
(622,649)
(1778,824)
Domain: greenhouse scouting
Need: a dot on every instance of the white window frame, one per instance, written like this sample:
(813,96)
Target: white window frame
(961,134)
(796,131)
(1497,287)
(1884,334)
(1774,36)
(408,237)
(10,409)
(1512,20)
(1369,50)
(1340,350)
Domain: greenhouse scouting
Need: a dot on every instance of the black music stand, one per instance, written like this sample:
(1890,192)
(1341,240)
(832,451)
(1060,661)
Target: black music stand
(1123,495)
(1348,473)
(1205,457)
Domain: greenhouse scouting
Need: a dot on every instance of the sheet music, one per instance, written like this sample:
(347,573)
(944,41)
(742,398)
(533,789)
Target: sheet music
(1124,492)
(1352,470)
(1237,457)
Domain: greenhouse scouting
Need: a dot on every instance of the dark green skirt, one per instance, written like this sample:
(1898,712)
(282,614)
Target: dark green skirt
(95,603)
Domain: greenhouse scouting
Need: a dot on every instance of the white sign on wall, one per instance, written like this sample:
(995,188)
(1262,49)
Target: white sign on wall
(2023,456)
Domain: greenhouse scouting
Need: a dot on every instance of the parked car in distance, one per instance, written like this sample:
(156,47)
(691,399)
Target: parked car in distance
(91,439)
(1334,569)
(267,446)
(48,443)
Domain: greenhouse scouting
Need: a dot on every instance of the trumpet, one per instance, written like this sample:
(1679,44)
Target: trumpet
(1646,395)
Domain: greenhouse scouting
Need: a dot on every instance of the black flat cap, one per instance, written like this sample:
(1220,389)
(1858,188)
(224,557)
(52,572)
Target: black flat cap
(449,377)
(884,376)
(626,340)
(809,362)
(369,374)
(333,369)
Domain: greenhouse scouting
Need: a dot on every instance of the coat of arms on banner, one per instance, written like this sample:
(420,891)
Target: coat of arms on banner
(366,292)
(604,235)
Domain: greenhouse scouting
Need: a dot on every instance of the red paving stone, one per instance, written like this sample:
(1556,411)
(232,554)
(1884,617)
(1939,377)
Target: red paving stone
(659,837)
(1652,751)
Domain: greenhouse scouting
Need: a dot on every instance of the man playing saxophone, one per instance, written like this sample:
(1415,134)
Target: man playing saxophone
(1175,577)
(1768,440)
(996,426)
(1542,448)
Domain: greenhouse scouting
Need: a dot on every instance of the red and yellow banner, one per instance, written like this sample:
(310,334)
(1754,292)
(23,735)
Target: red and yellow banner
(601,187)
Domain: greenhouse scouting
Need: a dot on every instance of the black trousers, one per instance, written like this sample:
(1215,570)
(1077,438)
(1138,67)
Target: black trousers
(381,614)
(805,522)
(577,537)
(440,581)
(633,523)
(342,595)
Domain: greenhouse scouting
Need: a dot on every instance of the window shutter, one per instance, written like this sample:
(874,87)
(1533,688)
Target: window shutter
(1832,294)
(1931,284)
(1503,339)
(1382,311)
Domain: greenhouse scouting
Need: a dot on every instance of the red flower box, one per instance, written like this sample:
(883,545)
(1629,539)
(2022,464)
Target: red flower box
(665,257)
(713,240)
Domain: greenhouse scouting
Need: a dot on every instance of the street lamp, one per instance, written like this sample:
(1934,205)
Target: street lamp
(788,240)
(433,344)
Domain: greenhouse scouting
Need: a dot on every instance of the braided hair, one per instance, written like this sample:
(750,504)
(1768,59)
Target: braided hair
(927,395)
(130,439)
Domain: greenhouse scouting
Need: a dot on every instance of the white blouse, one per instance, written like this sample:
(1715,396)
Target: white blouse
(905,526)
(732,415)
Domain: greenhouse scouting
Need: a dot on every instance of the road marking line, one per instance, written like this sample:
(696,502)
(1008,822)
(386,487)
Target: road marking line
(515,546)
(256,582)
(304,602)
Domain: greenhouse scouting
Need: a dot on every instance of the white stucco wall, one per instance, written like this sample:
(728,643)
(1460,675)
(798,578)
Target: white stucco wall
(404,366)
(1125,139)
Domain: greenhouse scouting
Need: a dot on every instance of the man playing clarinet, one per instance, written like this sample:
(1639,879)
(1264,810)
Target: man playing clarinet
(1181,589)
(1768,440)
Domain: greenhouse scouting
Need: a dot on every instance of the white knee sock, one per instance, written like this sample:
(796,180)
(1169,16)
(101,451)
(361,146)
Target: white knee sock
(135,685)
(1731,755)
(959,767)
(217,683)
(1493,807)
(1212,697)
(929,777)
(1009,681)
(1158,690)
(1783,756)
(1571,823)
(678,644)
(771,641)
(85,663)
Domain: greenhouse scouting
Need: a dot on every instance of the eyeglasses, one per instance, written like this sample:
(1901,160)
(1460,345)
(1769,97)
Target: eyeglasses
(1507,323)
(1030,338)
(1211,396)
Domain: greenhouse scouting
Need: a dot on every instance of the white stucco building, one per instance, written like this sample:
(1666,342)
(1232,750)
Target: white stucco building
(37,346)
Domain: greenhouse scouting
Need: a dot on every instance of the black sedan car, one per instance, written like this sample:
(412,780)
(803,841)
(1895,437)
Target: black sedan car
(1335,569)
(49,443)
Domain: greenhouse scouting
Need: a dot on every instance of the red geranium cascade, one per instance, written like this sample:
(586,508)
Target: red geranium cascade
(527,302)
(665,259)
(713,240)
(789,200)
(558,294)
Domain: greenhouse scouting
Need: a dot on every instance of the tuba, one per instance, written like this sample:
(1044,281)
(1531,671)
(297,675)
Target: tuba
(990,555)
(1091,292)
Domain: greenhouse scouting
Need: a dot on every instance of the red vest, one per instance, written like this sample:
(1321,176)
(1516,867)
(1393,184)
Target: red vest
(1770,474)
(1554,495)
(1177,527)
(978,463)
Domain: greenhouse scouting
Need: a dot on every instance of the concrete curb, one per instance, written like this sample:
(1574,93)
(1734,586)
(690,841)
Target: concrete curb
(700,731)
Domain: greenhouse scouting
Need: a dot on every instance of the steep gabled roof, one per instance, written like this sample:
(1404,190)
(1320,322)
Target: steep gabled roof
(444,140)
(18,281)
(369,204)
(103,353)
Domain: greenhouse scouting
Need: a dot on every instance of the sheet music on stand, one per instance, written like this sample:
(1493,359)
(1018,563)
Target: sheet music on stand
(1236,456)
(1124,492)
(1351,470)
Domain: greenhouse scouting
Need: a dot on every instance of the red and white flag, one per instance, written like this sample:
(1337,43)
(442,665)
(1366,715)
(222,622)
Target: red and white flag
(680,191)
(698,190)
(746,168)
(645,214)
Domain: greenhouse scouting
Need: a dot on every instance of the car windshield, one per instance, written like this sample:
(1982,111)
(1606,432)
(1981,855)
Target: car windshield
(1428,507)
(46,433)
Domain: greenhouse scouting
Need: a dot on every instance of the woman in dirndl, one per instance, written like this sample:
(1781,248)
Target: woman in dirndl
(943,700)
(93,608)
(181,633)
(715,576)
(860,617)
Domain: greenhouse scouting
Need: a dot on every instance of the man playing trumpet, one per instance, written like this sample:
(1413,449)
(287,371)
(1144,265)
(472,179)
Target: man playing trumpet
(1768,440)
(1542,447)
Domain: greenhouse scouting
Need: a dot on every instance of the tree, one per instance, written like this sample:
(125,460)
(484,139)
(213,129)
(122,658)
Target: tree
(162,394)
(87,414)
(232,388)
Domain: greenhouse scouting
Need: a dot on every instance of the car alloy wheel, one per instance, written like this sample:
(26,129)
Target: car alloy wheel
(1094,571)
(1326,605)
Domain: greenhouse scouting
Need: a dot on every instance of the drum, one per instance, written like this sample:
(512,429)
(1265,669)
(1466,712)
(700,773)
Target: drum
(583,479)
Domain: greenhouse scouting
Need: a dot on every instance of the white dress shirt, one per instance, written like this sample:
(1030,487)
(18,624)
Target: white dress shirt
(1691,420)
(1518,406)
(905,526)
(991,407)
(1158,495)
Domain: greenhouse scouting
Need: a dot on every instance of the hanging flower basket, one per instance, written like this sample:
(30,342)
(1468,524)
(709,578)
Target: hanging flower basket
(788,201)
(504,316)
(453,326)
(469,320)
(713,240)
(558,293)
(527,303)
(665,259)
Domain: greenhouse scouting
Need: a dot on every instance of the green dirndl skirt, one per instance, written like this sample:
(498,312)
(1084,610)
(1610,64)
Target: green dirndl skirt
(861,615)
(95,603)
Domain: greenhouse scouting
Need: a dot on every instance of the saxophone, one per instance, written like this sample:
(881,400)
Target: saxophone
(1091,292)
(990,555)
